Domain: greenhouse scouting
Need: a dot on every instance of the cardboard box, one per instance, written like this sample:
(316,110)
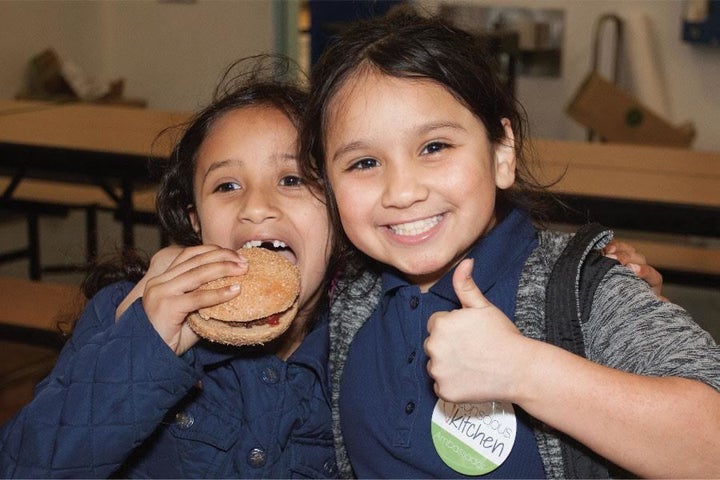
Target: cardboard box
(616,116)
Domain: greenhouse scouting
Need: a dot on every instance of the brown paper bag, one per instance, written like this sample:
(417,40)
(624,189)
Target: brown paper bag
(616,116)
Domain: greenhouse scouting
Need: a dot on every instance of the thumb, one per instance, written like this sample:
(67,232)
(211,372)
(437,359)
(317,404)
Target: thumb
(467,292)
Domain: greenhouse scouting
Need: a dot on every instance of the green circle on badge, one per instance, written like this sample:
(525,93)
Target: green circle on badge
(473,439)
(458,456)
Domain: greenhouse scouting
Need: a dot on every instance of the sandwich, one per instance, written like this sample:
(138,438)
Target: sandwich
(264,308)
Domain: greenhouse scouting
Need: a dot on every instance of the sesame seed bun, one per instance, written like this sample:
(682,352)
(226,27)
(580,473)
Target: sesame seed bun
(264,309)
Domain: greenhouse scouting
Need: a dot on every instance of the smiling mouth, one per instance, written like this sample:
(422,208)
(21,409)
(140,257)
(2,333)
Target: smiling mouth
(417,227)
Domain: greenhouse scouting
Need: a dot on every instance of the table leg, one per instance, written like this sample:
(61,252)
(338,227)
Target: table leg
(126,214)
(35,271)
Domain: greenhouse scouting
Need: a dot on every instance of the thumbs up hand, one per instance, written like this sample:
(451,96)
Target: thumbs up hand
(475,352)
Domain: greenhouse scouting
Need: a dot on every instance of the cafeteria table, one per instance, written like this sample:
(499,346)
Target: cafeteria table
(660,191)
(104,145)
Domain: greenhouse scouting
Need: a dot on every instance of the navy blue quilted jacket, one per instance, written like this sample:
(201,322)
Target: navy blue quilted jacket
(119,402)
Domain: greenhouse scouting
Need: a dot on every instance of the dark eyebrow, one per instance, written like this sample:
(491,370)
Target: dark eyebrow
(422,129)
(427,128)
(216,165)
(357,145)
(285,157)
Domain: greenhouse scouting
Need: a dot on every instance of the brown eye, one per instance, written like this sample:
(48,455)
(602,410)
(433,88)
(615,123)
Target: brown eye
(434,147)
(227,187)
(292,181)
(364,164)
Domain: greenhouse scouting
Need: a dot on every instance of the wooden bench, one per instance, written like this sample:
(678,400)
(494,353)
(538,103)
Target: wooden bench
(686,262)
(34,198)
(35,318)
(667,200)
(38,312)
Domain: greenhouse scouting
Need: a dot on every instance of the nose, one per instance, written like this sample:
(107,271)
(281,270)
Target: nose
(403,185)
(258,206)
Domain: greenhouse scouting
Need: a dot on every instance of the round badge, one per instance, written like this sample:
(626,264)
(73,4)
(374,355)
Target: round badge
(473,438)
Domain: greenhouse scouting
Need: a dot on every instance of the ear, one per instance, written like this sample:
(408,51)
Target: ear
(505,161)
(194,219)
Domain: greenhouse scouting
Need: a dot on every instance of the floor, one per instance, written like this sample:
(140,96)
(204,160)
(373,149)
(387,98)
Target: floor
(63,243)
(21,368)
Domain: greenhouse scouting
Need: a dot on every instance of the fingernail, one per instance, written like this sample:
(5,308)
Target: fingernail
(234,287)
(635,268)
(611,255)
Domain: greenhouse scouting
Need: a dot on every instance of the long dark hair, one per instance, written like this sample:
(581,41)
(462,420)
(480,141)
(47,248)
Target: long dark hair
(261,80)
(407,45)
(176,193)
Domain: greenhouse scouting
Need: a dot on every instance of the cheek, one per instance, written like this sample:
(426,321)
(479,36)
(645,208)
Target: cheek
(314,221)
(351,194)
(477,198)
(316,239)
(215,224)
(352,208)
(342,201)
(472,178)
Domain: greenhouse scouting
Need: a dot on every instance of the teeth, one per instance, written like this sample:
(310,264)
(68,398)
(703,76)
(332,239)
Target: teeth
(415,228)
(259,243)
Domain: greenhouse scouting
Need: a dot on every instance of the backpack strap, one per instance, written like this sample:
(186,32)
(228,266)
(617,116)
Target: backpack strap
(570,290)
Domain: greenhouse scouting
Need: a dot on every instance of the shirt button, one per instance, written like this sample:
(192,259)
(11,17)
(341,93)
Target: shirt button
(409,407)
(257,457)
(414,302)
(411,357)
(330,468)
(184,420)
(269,375)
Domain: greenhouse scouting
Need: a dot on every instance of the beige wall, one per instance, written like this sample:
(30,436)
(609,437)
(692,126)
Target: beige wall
(689,74)
(170,53)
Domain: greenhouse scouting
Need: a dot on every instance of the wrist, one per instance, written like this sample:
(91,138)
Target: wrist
(530,372)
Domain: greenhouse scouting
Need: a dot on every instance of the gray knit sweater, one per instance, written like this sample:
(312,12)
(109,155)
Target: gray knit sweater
(628,329)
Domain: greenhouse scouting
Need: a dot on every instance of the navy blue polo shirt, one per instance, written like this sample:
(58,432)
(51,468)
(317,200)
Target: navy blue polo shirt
(386,394)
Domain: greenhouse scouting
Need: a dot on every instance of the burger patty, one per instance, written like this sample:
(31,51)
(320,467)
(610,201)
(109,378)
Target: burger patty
(271,320)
